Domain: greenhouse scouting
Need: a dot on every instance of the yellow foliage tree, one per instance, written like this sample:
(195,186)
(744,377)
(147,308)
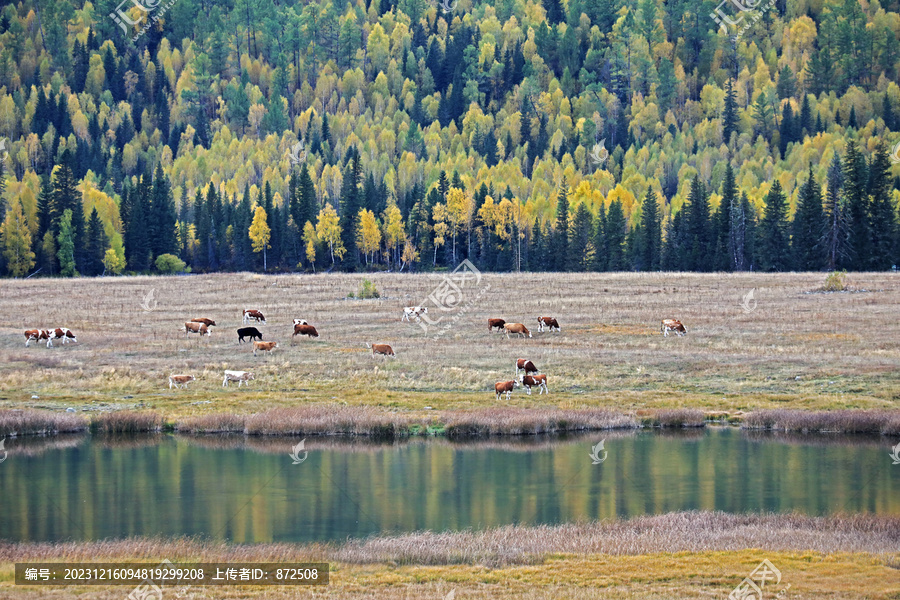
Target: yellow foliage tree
(328,230)
(311,240)
(368,234)
(260,233)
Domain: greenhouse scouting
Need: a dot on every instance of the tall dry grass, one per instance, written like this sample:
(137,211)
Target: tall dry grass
(16,422)
(122,422)
(521,421)
(841,421)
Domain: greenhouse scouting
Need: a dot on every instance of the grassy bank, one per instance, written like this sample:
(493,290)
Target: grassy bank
(696,554)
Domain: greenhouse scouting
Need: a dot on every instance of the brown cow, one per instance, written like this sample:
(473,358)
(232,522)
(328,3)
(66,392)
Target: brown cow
(523,364)
(205,321)
(384,349)
(505,386)
(36,335)
(517,328)
(180,380)
(540,381)
(264,346)
(550,322)
(60,333)
(495,324)
(305,330)
(255,315)
(672,325)
(200,328)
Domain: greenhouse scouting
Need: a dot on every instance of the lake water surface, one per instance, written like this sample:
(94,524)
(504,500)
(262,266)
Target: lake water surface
(247,490)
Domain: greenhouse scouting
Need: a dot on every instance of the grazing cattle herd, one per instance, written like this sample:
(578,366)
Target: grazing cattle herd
(530,375)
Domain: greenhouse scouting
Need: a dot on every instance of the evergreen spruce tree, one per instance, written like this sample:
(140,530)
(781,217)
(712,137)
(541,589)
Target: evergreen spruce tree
(97,243)
(616,230)
(882,212)
(836,239)
(856,198)
(651,250)
(809,227)
(601,257)
(581,251)
(774,236)
(730,120)
(560,234)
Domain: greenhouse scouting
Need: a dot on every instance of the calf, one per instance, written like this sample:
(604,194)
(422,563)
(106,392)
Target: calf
(60,333)
(529,381)
(264,346)
(384,349)
(180,380)
(200,328)
(304,329)
(550,322)
(239,376)
(414,311)
(251,332)
(251,314)
(517,328)
(36,335)
(495,324)
(505,386)
(672,325)
(205,321)
(523,364)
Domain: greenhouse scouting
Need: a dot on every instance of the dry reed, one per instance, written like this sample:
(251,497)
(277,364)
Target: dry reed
(841,421)
(39,422)
(522,421)
(127,421)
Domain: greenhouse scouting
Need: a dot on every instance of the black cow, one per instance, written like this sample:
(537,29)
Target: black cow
(251,332)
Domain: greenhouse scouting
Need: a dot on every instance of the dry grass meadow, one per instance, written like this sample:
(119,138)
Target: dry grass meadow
(795,349)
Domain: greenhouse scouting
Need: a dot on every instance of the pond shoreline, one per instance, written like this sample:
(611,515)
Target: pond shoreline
(376,423)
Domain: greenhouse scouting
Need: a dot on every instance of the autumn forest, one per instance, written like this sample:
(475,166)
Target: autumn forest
(353,135)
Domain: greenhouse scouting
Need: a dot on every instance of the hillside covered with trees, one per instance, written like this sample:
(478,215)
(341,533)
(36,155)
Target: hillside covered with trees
(407,135)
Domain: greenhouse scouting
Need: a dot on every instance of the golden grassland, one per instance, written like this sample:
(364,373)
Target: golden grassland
(795,349)
(679,555)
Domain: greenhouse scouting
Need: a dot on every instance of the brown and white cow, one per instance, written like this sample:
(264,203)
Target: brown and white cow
(517,328)
(383,349)
(505,386)
(180,380)
(523,364)
(300,322)
(672,325)
(530,381)
(36,335)
(305,329)
(239,376)
(200,328)
(264,346)
(414,311)
(495,324)
(550,322)
(251,314)
(60,333)
(205,321)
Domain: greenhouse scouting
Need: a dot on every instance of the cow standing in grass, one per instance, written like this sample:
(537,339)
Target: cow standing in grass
(383,349)
(199,328)
(549,322)
(180,380)
(240,376)
(495,324)
(530,381)
(251,314)
(523,364)
(302,329)
(264,346)
(506,387)
(516,328)
(672,325)
(250,332)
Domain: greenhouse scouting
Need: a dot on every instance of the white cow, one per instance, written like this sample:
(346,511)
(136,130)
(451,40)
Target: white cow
(239,376)
(414,311)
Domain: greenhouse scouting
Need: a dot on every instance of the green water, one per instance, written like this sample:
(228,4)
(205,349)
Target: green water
(249,490)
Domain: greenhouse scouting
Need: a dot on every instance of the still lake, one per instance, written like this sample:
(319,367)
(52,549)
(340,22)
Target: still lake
(247,490)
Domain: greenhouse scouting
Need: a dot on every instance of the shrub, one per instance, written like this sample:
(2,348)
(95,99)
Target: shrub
(367,291)
(169,264)
(835,282)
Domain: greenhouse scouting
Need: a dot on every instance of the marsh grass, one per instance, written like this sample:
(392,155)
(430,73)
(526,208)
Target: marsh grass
(521,421)
(679,417)
(18,422)
(841,421)
(126,421)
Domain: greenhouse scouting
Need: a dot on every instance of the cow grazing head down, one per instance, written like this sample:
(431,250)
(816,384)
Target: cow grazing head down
(516,328)
(251,332)
(383,349)
(204,320)
(505,387)
(180,380)
(672,325)
(251,314)
(495,324)
(199,328)
(530,381)
(240,376)
(60,333)
(549,322)
(523,364)
(264,347)
(304,329)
